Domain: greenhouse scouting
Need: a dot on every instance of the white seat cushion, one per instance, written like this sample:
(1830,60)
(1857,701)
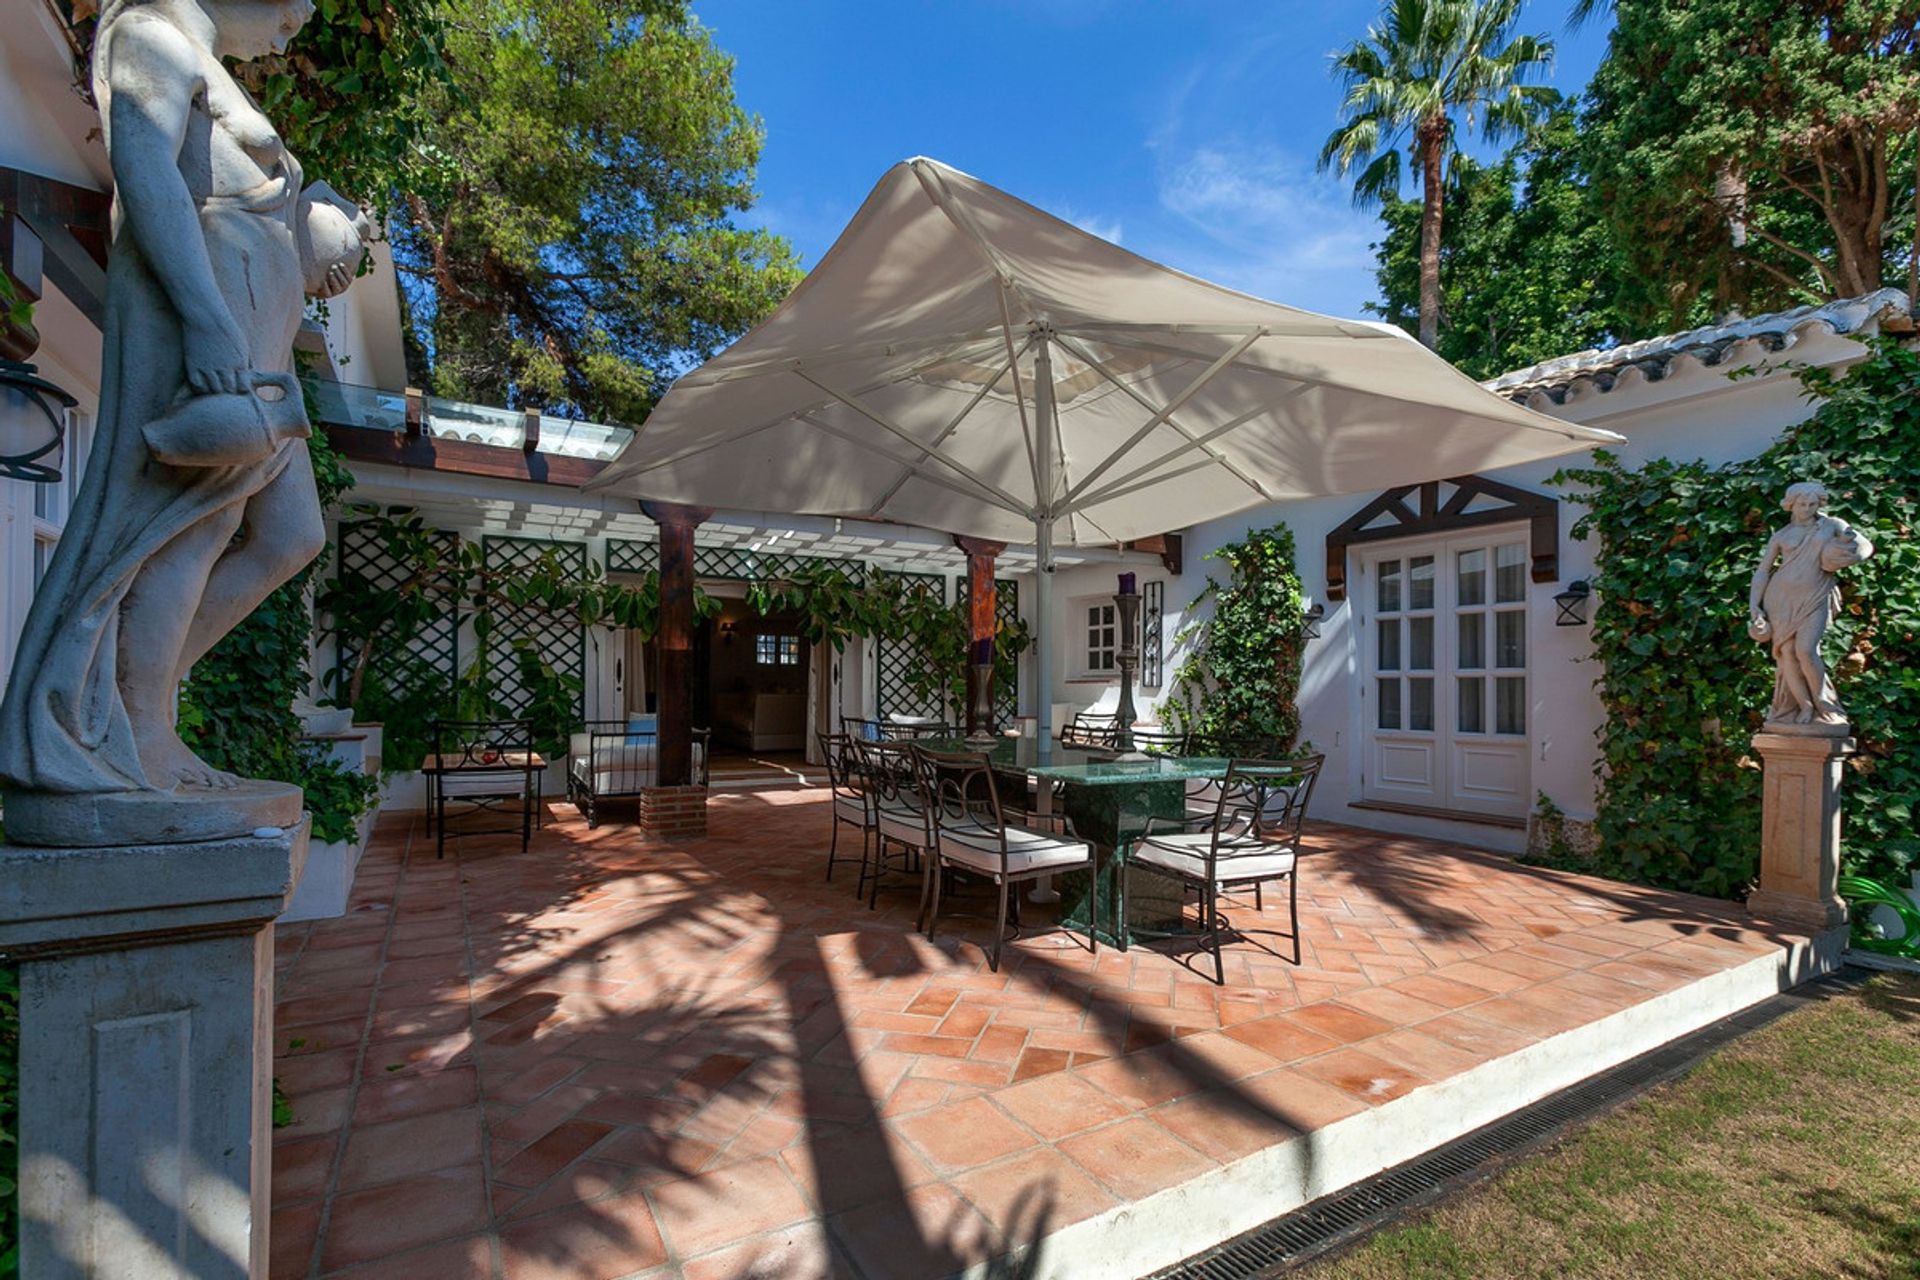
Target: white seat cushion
(480,785)
(850,809)
(1185,852)
(903,823)
(1027,849)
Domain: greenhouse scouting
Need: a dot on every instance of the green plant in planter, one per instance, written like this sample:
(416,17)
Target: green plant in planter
(1239,679)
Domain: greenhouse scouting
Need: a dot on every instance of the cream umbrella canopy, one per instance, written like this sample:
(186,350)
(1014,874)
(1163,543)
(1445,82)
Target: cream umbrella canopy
(962,361)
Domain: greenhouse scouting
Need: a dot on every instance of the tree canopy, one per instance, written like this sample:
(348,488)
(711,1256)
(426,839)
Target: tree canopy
(1757,151)
(571,247)
(1422,68)
(1528,270)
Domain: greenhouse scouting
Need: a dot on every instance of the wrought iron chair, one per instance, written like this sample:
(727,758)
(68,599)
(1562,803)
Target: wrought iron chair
(887,779)
(859,727)
(487,764)
(852,804)
(915,730)
(1253,836)
(1091,729)
(972,834)
(1203,794)
(1156,741)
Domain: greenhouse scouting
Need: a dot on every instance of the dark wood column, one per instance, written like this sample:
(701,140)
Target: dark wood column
(674,637)
(982,622)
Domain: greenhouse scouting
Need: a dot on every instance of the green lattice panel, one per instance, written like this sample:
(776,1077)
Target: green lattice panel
(624,555)
(745,565)
(894,660)
(1006,608)
(561,642)
(433,656)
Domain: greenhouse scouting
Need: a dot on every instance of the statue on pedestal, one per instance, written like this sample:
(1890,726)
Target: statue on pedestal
(198,499)
(1793,601)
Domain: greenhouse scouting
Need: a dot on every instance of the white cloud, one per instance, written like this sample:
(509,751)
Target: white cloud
(1093,224)
(1257,219)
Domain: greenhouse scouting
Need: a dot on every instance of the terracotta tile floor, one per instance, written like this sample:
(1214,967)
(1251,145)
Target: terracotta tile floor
(603,1059)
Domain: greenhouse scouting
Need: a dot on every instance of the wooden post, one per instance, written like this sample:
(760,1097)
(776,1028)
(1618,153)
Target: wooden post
(982,621)
(674,638)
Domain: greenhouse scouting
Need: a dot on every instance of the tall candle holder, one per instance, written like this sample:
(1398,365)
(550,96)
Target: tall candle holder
(1126,604)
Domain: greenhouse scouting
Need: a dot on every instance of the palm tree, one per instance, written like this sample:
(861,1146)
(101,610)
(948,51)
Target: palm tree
(1424,63)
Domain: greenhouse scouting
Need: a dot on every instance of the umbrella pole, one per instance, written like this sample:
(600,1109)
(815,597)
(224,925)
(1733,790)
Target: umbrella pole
(1043,541)
(1043,891)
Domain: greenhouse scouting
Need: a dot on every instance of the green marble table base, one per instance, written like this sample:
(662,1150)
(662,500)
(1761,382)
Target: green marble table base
(1111,817)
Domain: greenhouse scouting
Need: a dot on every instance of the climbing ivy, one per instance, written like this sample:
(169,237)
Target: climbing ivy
(1239,679)
(1682,685)
(388,683)
(905,609)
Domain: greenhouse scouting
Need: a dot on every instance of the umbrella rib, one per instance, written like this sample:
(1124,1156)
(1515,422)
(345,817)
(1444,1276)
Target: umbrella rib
(1121,489)
(1112,488)
(866,351)
(1172,406)
(936,188)
(867,442)
(1215,454)
(953,426)
(707,446)
(1587,435)
(932,453)
(1019,392)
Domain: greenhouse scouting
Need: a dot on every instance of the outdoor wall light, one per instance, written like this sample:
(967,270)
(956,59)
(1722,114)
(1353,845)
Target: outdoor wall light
(726,633)
(1573,604)
(32,424)
(1310,621)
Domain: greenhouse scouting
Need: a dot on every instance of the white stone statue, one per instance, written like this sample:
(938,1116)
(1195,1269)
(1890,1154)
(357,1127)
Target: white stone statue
(1793,601)
(199,498)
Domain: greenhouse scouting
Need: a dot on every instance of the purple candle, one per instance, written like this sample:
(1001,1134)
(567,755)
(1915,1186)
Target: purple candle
(1126,584)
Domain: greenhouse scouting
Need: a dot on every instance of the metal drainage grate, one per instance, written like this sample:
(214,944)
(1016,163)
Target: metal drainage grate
(1347,1215)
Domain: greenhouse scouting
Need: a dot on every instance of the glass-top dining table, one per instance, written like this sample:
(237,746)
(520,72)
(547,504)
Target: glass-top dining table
(1108,798)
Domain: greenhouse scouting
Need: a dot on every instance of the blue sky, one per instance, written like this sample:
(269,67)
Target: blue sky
(1185,130)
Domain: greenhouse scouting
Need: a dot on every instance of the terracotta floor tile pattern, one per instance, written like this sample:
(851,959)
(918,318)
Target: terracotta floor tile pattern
(605,1058)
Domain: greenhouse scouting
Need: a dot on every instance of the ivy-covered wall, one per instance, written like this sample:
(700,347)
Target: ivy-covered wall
(1683,686)
(1239,679)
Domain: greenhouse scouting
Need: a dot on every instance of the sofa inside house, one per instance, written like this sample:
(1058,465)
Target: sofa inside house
(750,721)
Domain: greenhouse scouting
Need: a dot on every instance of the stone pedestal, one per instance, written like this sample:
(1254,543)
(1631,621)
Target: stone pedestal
(146,1020)
(1800,828)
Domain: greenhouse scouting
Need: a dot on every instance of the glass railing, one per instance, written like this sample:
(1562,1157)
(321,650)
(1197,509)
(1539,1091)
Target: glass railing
(345,404)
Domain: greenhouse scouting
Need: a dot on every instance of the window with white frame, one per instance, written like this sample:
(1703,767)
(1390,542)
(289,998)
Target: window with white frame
(776,650)
(1102,634)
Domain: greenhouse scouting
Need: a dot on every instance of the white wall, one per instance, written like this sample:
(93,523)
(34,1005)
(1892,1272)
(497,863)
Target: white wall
(1695,412)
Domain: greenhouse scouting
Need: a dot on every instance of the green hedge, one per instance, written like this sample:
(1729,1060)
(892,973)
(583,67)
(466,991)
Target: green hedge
(1683,686)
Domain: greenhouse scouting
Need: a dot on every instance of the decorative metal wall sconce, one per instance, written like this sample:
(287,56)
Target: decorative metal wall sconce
(32,424)
(1573,604)
(1310,621)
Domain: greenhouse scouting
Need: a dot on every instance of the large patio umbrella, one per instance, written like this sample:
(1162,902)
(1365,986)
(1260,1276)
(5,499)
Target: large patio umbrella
(963,361)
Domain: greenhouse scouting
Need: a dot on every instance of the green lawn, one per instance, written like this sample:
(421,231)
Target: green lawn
(1792,1153)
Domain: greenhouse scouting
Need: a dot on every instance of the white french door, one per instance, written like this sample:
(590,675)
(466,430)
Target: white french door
(1444,698)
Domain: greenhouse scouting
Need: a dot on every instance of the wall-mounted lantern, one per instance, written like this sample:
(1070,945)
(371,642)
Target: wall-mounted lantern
(1310,629)
(726,632)
(32,424)
(1573,604)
